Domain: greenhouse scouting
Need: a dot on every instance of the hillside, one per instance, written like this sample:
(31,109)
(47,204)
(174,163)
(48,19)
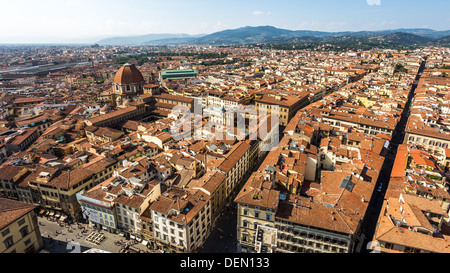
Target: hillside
(254,35)
(271,35)
(135,40)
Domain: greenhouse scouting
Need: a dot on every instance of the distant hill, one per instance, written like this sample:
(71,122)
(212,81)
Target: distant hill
(143,39)
(427,33)
(445,41)
(270,34)
(400,38)
(254,35)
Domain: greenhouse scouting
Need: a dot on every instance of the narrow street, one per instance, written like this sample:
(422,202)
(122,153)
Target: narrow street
(376,203)
(223,237)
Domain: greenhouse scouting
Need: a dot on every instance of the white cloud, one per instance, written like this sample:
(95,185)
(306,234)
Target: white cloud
(374,2)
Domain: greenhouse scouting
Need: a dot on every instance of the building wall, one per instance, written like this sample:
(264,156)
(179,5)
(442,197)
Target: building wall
(62,199)
(177,237)
(23,233)
(102,216)
(128,218)
(248,219)
(433,145)
(297,238)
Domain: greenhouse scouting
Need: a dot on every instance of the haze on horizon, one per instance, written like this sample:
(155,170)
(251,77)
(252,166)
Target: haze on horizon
(83,21)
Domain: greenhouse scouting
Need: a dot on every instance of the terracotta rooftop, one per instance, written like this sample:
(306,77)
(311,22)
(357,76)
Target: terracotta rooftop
(11,210)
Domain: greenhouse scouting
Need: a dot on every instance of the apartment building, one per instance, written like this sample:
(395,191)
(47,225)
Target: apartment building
(102,134)
(173,100)
(369,126)
(9,178)
(430,140)
(41,122)
(54,189)
(213,184)
(97,204)
(286,105)
(22,140)
(235,165)
(409,224)
(131,204)
(181,220)
(19,229)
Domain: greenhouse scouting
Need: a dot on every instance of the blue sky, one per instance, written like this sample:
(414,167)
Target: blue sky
(70,20)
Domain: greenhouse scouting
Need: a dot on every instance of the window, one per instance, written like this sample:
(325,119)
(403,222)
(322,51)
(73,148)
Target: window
(245,212)
(24,231)
(268,216)
(5,232)
(8,242)
(21,222)
(256,214)
(389,246)
(255,225)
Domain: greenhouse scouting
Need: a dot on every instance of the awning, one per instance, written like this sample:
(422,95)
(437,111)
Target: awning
(145,242)
(42,212)
(122,234)
(51,213)
(132,237)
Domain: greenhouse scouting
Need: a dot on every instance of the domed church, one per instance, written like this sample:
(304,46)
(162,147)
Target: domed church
(128,83)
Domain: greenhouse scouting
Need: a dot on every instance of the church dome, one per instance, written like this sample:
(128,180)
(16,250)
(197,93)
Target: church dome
(128,74)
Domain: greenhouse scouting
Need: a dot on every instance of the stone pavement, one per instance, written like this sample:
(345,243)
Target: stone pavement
(71,238)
